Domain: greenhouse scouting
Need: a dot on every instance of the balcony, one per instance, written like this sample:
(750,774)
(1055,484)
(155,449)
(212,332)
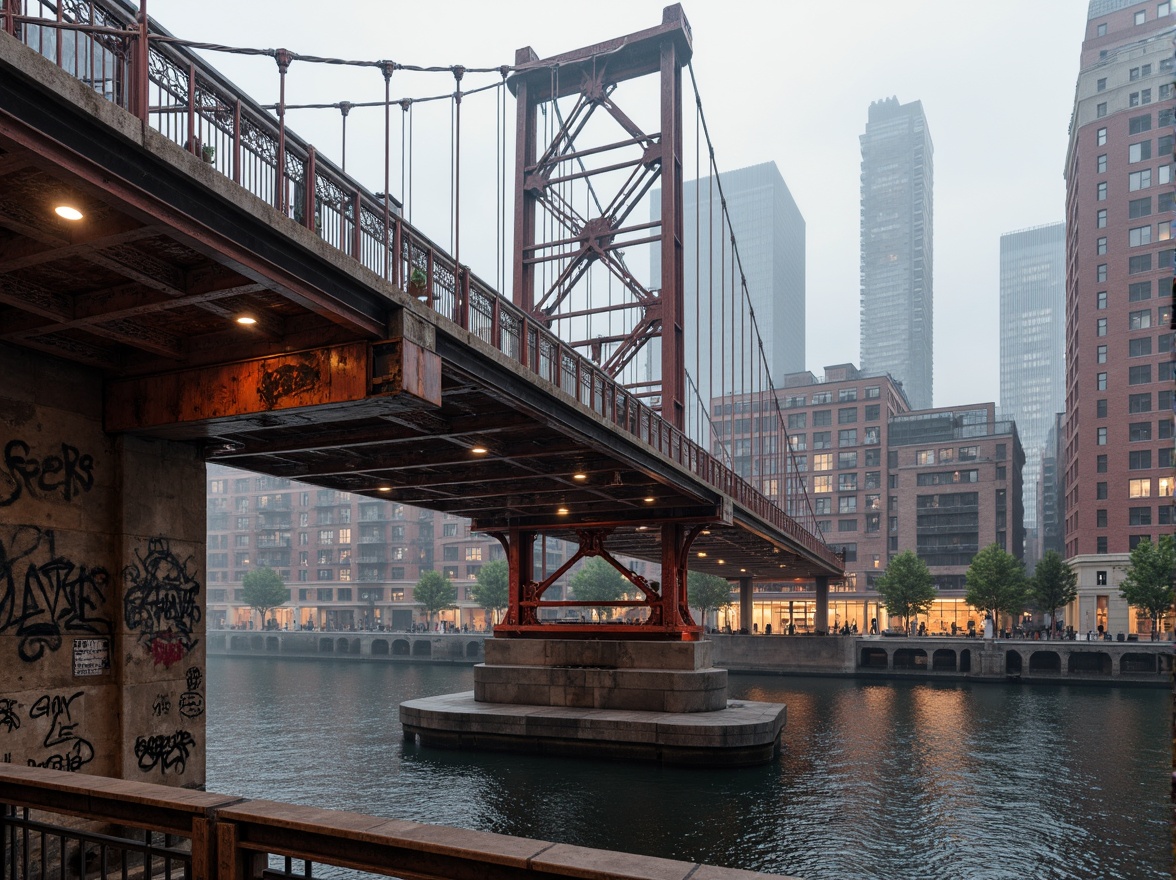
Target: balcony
(65,824)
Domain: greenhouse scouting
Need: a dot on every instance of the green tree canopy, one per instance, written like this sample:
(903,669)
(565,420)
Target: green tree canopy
(435,592)
(906,588)
(1054,584)
(1148,584)
(707,592)
(597,581)
(262,590)
(996,583)
(492,590)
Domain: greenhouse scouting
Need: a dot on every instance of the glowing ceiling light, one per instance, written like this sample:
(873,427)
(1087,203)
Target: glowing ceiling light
(246,320)
(650,500)
(384,489)
(580,476)
(479,450)
(67,212)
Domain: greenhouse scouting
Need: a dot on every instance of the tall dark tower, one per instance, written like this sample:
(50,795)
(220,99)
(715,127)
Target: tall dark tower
(897,324)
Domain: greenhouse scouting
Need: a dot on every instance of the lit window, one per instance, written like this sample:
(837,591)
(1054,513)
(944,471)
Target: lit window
(1140,488)
(1164,230)
(823,484)
(823,461)
(925,456)
(1166,485)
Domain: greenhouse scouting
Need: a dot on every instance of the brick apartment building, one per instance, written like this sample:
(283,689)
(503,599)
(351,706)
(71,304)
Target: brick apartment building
(883,479)
(1117,440)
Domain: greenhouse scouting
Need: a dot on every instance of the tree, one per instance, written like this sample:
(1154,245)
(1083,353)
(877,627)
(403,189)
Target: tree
(262,590)
(707,592)
(906,588)
(598,581)
(435,592)
(1054,585)
(492,590)
(1148,584)
(996,583)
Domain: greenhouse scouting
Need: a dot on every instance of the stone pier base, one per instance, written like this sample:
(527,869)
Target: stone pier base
(654,701)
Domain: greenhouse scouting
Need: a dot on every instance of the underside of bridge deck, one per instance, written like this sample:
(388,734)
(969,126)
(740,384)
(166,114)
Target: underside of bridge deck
(344,380)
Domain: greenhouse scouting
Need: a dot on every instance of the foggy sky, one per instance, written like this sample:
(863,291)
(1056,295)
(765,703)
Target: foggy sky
(784,81)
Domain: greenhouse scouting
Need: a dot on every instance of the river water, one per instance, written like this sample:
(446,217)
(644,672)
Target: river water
(894,780)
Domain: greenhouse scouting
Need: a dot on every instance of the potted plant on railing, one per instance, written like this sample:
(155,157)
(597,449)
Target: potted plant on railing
(418,283)
(208,153)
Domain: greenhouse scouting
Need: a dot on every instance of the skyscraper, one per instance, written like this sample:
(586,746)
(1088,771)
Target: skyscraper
(770,232)
(896,310)
(1119,203)
(1032,347)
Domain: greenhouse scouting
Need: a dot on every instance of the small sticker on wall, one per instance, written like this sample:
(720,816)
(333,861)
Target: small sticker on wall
(91,656)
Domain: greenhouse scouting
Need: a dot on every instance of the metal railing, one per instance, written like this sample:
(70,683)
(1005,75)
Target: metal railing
(57,825)
(137,65)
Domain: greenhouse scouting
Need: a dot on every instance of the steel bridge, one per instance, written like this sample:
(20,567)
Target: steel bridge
(375,363)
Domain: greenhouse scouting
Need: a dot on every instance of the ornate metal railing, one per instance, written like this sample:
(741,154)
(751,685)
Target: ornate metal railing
(137,65)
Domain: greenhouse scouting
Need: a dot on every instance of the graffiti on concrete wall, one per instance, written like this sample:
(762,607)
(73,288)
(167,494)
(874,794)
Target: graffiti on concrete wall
(68,472)
(44,594)
(72,751)
(162,601)
(166,751)
(191,700)
(9,717)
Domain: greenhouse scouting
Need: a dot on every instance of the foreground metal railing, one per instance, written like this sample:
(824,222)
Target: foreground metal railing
(65,825)
(130,61)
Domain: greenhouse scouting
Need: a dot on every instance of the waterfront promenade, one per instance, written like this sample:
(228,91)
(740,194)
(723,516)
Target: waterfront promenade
(958,658)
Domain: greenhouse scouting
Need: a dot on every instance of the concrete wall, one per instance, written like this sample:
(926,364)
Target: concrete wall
(101,585)
(825,655)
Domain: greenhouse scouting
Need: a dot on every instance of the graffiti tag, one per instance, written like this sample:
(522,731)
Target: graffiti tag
(162,602)
(69,473)
(8,715)
(44,595)
(78,751)
(165,751)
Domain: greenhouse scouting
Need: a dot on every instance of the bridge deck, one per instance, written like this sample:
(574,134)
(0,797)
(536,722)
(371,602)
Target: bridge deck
(345,381)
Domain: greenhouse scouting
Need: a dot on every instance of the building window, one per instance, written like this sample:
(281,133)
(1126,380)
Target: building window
(1101,518)
(1141,17)
(1102,273)
(1136,237)
(1102,84)
(846,460)
(822,418)
(1101,464)
(1139,124)
(847,483)
(1138,264)
(1138,432)
(1139,460)
(1101,381)
(847,504)
(847,394)
(1141,347)
(1102,221)
(1140,320)
(1101,300)
(798,442)
(847,415)
(1102,29)
(1101,245)
(822,440)
(1138,180)
(1139,375)
(1102,163)
(1101,410)
(1139,152)
(1100,109)
(1102,354)
(822,505)
(1137,208)
(847,437)
(1100,491)
(797,421)
(823,461)
(1138,291)
(1101,327)
(1101,437)
(1140,403)
(925,456)
(1102,191)
(1139,488)
(1100,544)
(1164,230)
(823,484)
(847,525)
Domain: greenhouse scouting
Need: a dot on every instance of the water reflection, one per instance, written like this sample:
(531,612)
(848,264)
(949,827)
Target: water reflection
(897,780)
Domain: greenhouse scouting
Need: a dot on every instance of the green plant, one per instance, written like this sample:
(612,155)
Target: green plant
(417,277)
(208,153)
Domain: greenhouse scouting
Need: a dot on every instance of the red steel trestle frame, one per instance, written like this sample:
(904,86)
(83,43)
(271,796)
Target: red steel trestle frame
(668,615)
(578,241)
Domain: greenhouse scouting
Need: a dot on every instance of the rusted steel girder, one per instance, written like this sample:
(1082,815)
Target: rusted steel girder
(579,240)
(668,615)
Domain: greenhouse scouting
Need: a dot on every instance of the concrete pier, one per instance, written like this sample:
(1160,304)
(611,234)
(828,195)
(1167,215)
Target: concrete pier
(659,701)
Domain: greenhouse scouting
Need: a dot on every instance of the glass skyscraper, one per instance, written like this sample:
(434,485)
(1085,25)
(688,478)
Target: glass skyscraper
(1033,345)
(896,248)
